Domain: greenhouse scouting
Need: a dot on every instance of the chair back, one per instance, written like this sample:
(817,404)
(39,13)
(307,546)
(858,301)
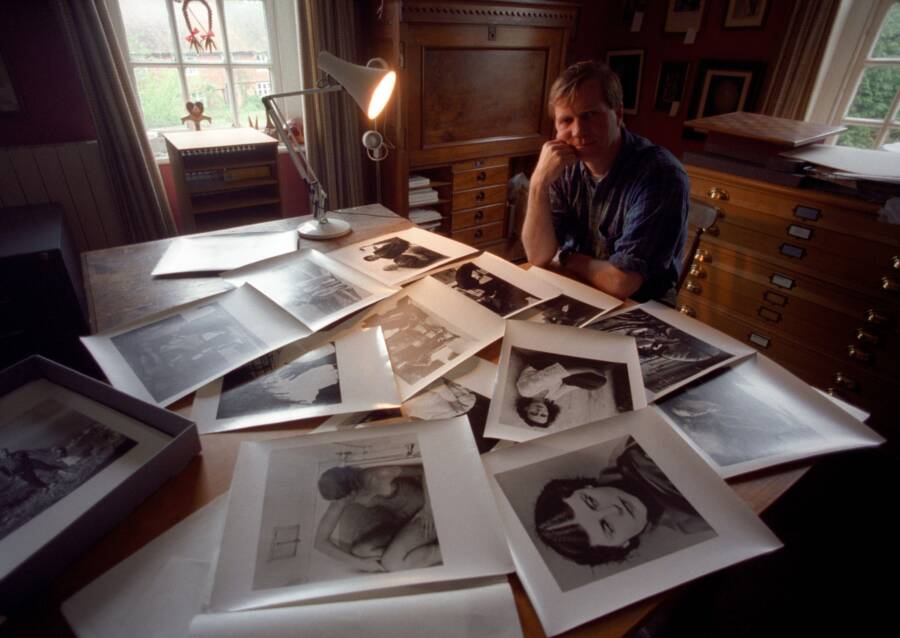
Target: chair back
(701,216)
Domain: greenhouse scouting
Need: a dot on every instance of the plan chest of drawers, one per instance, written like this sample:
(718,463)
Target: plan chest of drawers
(808,278)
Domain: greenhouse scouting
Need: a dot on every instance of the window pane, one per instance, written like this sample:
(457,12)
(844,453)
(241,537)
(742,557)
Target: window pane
(876,92)
(248,36)
(210,86)
(147,31)
(858,136)
(251,85)
(159,91)
(888,44)
(211,48)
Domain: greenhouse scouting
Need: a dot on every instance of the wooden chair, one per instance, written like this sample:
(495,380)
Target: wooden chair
(701,217)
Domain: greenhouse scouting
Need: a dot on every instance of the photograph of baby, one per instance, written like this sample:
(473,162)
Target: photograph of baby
(668,355)
(553,391)
(418,342)
(486,288)
(339,510)
(270,384)
(46,453)
(601,510)
(562,310)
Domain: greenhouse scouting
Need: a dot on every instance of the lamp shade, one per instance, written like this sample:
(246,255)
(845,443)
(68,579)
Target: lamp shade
(370,88)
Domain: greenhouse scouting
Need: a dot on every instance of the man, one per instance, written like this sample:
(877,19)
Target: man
(606,205)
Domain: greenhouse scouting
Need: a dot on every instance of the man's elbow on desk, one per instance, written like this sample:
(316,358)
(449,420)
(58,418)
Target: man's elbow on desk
(604,276)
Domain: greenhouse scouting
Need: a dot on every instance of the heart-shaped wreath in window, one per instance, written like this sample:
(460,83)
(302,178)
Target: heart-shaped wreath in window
(198,38)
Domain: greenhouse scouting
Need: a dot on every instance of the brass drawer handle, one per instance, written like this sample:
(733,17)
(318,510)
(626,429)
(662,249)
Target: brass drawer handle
(697,271)
(479,215)
(864,336)
(718,193)
(481,176)
(858,355)
(895,262)
(889,284)
(703,255)
(479,234)
(844,381)
(687,310)
(478,163)
(875,318)
(480,196)
(693,286)
(713,230)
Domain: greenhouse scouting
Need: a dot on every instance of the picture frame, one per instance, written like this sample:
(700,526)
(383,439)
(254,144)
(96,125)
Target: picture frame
(10,104)
(745,14)
(671,86)
(684,15)
(628,64)
(134,448)
(724,86)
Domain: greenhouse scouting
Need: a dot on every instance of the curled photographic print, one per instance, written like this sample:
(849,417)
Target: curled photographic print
(46,453)
(600,511)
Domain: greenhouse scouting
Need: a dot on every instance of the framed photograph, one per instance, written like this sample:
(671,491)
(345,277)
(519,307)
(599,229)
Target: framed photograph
(671,86)
(756,415)
(724,86)
(226,251)
(684,15)
(745,14)
(313,377)
(339,513)
(673,349)
(75,457)
(553,378)
(496,284)
(9,101)
(599,518)
(577,305)
(314,288)
(627,65)
(399,258)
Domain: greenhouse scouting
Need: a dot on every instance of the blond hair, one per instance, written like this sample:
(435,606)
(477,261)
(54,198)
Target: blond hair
(566,85)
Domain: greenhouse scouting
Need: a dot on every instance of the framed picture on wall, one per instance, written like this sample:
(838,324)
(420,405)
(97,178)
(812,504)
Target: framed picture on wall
(684,15)
(724,86)
(9,103)
(671,85)
(745,14)
(627,64)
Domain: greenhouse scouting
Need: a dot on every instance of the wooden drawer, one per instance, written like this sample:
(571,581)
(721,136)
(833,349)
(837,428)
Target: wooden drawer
(871,391)
(479,234)
(804,206)
(484,162)
(479,197)
(477,216)
(481,177)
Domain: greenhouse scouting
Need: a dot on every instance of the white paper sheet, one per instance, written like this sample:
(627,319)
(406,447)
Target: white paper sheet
(567,308)
(271,554)
(702,526)
(853,163)
(756,415)
(216,253)
(172,353)
(535,362)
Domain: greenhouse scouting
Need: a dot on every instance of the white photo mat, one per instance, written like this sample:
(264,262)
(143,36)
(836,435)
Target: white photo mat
(273,277)
(756,415)
(364,377)
(516,290)
(561,342)
(354,255)
(686,370)
(176,356)
(32,534)
(217,253)
(568,287)
(738,533)
(465,518)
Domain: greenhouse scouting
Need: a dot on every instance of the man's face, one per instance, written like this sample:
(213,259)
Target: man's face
(588,124)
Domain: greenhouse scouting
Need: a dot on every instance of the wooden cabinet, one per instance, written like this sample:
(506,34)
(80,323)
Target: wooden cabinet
(809,278)
(223,170)
(470,104)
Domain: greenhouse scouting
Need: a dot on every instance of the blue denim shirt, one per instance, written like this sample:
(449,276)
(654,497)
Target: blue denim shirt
(635,217)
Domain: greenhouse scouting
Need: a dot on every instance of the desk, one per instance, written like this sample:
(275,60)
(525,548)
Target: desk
(119,289)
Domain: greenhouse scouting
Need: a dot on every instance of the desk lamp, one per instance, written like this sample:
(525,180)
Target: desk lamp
(370,88)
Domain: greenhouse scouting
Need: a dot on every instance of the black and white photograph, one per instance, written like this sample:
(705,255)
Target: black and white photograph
(399,258)
(557,387)
(224,251)
(756,415)
(724,86)
(577,304)
(322,514)
(46,453)
(315,289)
(670,356)
(745,14)
(168,355)
(599,518)
(670,87)
(313,377)
(628,65)
(683,16)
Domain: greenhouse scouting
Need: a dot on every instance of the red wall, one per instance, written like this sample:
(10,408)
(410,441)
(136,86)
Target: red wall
(43,73)
(601,28)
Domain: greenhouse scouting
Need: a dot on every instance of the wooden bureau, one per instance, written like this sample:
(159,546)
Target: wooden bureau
(809,278)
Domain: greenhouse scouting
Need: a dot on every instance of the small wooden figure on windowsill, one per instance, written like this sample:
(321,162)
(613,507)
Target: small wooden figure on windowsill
(195,114)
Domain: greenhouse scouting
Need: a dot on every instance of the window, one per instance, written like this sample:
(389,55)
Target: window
(228,72)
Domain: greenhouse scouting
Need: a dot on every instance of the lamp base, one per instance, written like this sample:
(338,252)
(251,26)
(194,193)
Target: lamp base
(331,229)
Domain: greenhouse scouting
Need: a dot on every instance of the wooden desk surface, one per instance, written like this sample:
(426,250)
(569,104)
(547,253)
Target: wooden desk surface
(120,289)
